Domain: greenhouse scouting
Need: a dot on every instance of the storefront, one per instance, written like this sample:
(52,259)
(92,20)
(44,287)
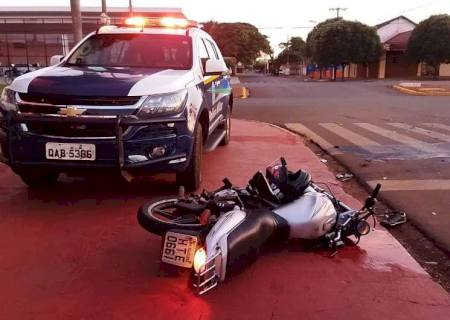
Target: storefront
(32,35)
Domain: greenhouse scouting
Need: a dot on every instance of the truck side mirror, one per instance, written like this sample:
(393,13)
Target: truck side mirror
(215,67)
(56,59)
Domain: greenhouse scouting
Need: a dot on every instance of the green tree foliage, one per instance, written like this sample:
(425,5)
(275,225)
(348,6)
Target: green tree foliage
(240,40)
(340,42)
(430,41)
(295,48)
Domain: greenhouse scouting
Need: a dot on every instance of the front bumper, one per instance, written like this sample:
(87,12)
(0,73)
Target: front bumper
(127,148)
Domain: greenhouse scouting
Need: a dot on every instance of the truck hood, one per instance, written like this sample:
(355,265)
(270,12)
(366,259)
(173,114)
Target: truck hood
(99,81)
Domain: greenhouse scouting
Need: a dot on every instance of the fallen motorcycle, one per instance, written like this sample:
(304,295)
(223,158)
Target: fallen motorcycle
(219,232)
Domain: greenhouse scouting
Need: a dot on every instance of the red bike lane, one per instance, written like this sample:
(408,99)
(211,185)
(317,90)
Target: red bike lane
(77,251)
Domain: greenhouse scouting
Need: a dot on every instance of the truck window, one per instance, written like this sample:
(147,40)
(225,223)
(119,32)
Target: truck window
(134,50)
(211,49)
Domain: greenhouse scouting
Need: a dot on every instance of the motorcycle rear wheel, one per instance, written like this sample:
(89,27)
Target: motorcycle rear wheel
(161,216)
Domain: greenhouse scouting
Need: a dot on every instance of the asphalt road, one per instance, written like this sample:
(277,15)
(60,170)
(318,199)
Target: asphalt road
(381,135)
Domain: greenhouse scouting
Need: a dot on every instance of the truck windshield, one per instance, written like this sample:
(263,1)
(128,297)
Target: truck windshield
(134,50)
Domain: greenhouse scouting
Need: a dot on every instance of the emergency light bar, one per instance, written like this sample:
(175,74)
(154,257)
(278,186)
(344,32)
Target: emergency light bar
(164,22)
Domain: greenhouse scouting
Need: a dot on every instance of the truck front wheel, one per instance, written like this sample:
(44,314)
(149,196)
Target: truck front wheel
(192,176)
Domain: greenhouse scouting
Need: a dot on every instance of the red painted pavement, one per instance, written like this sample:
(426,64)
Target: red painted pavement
(77,252)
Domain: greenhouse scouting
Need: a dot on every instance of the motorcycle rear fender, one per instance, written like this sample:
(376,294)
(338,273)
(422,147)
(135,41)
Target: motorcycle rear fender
(217,240)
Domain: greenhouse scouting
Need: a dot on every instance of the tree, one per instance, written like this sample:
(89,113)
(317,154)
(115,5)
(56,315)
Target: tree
(294,48)
(240,40)
(430,41)
(340,42)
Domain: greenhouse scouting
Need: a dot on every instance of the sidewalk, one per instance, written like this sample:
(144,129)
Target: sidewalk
(78,252)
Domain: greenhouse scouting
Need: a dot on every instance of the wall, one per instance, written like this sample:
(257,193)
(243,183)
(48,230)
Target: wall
(398,65)
(444,70)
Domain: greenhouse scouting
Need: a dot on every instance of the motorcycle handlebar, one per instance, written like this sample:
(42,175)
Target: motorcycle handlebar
(376,191)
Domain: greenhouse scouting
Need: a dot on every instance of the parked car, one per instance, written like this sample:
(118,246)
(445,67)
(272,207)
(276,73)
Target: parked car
(149,96)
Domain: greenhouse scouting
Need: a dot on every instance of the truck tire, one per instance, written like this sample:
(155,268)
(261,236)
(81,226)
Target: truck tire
(227,126)
(36,178)
(192,176)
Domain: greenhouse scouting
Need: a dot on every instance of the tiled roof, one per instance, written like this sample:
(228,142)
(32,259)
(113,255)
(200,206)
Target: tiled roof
(399,42)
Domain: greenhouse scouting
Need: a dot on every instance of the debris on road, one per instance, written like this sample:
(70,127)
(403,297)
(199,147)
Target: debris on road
(394,218)
(323,160)
(344,176)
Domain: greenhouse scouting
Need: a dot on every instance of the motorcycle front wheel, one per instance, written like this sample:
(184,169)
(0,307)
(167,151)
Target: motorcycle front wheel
(161,216)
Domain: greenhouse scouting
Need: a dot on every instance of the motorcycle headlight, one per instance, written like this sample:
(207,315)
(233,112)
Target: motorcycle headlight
(362,228)
(8,100)
(163,104)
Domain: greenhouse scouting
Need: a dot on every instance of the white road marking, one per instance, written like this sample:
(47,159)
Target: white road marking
(324,144)
(414,143)
(350,136)
(437,125)
(425,132)
(411,185)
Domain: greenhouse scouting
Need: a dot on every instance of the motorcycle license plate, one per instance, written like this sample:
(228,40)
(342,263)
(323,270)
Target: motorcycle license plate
(179,249)
(70,151)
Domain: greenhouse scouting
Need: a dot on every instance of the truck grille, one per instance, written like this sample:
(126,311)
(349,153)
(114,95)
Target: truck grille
(77,100)
(51,104)
(72,130)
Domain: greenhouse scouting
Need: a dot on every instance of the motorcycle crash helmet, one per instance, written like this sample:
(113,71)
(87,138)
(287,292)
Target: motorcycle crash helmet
(291,185)
(276,175)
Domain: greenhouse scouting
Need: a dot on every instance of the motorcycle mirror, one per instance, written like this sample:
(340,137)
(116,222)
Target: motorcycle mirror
(227,183)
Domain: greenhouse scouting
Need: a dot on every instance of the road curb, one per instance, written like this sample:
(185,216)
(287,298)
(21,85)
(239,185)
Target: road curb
(420,93)
(241,92)
(365,185)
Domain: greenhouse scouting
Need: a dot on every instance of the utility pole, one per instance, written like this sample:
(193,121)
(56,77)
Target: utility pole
(288,53)
(104,19)
(76,20)
(337,11)
(130,7)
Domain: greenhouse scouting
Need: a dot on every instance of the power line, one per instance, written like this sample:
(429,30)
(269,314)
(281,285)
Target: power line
(285,27)
(420,6)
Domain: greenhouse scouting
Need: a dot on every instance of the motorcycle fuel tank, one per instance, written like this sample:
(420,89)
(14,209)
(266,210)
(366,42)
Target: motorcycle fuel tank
(310,216)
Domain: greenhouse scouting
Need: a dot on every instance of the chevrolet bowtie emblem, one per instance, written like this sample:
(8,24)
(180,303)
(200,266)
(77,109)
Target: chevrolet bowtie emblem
(71,111)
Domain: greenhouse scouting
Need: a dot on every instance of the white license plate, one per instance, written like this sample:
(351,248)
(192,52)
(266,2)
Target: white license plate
(70,151)
(179,249)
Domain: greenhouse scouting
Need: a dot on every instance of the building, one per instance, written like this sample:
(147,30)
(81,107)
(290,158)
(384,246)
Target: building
(32,35)
(394,61)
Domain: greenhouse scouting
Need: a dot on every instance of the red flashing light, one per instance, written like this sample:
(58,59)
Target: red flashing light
(165,22)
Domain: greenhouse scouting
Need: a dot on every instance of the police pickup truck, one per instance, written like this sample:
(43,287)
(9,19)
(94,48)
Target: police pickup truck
(148,96)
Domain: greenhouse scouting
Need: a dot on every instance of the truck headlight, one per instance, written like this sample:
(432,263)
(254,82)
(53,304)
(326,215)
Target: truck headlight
(8,100)
(163,104)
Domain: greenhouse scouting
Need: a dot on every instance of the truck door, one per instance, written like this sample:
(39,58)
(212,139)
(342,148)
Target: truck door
(212,83)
